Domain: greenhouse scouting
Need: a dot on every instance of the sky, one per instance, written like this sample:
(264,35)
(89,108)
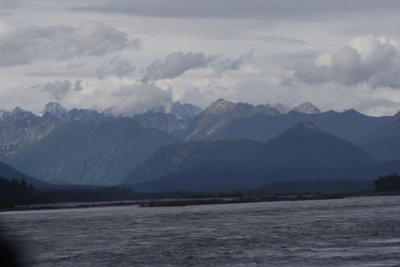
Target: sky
(133,55)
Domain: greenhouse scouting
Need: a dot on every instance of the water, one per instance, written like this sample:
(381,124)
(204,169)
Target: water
(343,232)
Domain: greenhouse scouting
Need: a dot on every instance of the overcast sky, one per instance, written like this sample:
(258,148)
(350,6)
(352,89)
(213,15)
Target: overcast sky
(135,54)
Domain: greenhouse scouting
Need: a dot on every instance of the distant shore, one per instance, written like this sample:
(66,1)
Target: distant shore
(191,202)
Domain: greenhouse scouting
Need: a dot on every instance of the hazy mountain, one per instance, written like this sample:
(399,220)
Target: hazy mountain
(302,152)
(88,115)
(3,115)
(384,143)
(185,111)
(20,129)
(225,119)
(83,152)
(8,172)
(181,111)
(176,157)
(350,125)
(159,120)
(220,114)
(305,144)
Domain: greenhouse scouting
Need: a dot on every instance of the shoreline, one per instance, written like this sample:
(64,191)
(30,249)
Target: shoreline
(190,202)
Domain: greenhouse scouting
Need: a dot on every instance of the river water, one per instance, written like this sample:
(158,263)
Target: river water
(361,231)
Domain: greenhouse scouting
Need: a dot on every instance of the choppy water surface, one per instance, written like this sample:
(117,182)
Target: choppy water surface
(346,232)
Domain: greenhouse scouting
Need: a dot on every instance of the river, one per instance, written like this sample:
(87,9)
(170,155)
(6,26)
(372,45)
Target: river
(362,231)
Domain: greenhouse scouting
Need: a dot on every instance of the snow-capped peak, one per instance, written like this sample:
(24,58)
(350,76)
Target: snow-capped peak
(55,109)
(281,108)
(307,108)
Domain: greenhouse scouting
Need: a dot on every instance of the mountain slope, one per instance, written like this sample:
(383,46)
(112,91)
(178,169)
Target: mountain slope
(159,120)
(302,152)
(384,143)
(350,125)
(20,129)
(8,172)
(176,157)
(305,143)
(228,120)
(90,153)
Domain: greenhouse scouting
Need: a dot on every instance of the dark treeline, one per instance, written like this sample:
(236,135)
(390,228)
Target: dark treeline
(389,182)
(19,192)
(95,194)
(14,192)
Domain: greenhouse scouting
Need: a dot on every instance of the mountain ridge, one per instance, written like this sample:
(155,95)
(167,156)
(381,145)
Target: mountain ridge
(313,153)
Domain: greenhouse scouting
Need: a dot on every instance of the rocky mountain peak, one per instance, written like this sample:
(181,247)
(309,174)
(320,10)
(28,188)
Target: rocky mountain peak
(185,111)
(396,117)
(307,108)
(17,110)
(3,115)
(281,108)
(56,109)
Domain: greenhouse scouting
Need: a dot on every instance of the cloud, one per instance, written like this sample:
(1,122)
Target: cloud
(367,59)
(115,66)
(175,64)
(239,8)
(278,40)
(77,85)
(227,64)
(6,4)
(21,45)
(139,98)
(59,89)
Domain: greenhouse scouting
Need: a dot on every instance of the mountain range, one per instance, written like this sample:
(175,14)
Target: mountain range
(301,152)
(228,146)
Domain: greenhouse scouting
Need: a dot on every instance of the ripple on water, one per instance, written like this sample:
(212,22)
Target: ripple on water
(342,232)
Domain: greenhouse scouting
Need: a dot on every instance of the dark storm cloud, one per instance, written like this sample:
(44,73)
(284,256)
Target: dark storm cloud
(175,64)
(227,64)
(115,66)
(59,89)
(239,8)
(21,45)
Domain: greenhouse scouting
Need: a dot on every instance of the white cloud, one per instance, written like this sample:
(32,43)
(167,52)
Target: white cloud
(367,59)
(25,44)
(138,98)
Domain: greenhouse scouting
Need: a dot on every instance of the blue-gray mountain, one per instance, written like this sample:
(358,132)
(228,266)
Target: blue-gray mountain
(8,172)
(90,147)
(227,120)
(384,143)
(303,152)
(100,153)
